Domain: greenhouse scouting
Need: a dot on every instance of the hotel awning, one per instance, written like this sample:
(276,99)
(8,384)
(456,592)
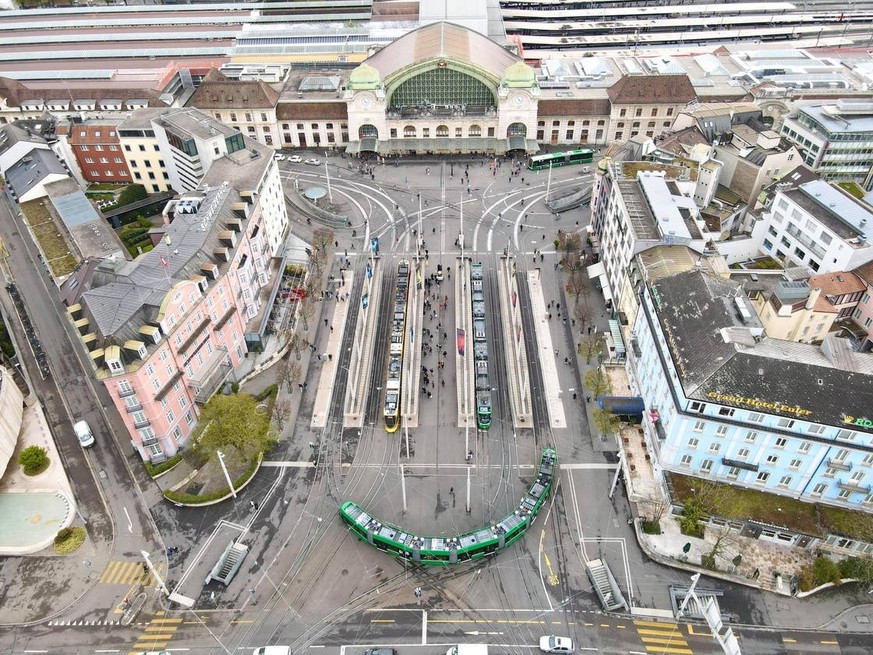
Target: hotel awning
(595,271)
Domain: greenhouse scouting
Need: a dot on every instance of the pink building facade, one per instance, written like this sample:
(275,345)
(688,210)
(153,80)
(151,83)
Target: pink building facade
(863,313)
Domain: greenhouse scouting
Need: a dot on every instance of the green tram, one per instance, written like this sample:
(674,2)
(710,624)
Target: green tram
(554,159)
(470,546)
(480,349)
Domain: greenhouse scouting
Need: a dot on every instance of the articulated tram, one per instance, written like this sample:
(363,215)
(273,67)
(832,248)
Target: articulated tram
(476,544)
(480,349)
(394,380)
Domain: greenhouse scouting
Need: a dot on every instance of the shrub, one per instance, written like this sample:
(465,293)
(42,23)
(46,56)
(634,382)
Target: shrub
(155,470)
(34,460)
(234,387)
(857,568)
(132,193)
(824,569)
(190,499)
(692,514)
(805,580)
(68,540)
(272,390)
(651,527)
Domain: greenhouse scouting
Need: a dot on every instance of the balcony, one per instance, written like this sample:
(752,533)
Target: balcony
(124,393)
(813,247)
(144,423)
(212,375)
(133,408)
(839,465)
(150,441)
(854,487)
(736,463)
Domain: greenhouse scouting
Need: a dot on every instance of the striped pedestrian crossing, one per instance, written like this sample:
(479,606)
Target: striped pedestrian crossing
(156,634)
(126,573)
(664,638)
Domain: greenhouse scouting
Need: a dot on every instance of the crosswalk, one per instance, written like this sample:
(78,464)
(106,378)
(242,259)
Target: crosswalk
(126,573)
(663,638)
(156,634)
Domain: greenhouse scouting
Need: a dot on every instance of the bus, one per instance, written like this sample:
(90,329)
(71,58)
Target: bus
(538,162)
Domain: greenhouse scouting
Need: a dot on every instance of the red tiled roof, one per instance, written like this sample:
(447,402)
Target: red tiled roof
(17,93)
(837,284)
(865,272)
(652,89)
(87,134)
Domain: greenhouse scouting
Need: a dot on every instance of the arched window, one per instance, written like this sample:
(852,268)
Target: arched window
(368,131)
(441,87)
(516,129)
(475,130)
(442,131)
(409,132)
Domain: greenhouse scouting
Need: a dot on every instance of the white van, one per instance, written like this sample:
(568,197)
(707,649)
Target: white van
(273,650)
(84,434)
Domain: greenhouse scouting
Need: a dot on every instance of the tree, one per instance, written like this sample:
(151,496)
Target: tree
(589,345)
(306,310)
(581,312)
(323,239)
(234,421)
(131,193)
(575,284)
(282,411)
(598,382)
(724,538)
(569,242)
(605,421)
(33,459)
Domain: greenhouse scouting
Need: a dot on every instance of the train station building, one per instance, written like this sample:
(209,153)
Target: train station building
(442,89)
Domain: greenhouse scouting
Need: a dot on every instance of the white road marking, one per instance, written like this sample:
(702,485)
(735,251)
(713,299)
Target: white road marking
(424,628)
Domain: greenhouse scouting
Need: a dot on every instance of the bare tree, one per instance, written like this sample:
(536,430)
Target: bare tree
(306,311)
(598,382)
(575,284)
(282,411)
(323,239)
(581,311)
(289,373)
(569,242)
(655,508)
(725,540)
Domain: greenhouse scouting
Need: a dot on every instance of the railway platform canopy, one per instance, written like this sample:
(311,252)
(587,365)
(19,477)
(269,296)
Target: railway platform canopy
(442,89)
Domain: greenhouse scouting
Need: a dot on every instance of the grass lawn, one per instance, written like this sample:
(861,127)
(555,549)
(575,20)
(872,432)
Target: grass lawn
(852,188)
(807,518)
(49,237)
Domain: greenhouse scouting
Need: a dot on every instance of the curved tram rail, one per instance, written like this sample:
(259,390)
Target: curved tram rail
(443,551)
(393,383)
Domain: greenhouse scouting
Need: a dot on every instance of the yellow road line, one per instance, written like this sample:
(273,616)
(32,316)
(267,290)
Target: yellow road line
(241,621)
(667,649)
(108,571)
(621,627)
(381,620)
(661,633)
(656,624)
(605,625)
(157,635)
(521,622)
(789,640)
(163,620)
(829,643)
(458,621)
(663,640)
(159,628)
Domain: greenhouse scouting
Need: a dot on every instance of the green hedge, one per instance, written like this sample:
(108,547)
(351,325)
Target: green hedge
(272,390)
(189,499)
(156,469)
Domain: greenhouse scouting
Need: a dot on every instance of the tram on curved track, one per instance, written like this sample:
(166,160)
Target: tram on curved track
(394,380)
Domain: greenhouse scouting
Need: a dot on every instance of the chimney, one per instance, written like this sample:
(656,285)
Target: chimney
(813,297)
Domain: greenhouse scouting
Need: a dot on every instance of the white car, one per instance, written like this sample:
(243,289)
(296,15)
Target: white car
(313,162)
(84,434)
(295,159)
(279,156)
(553,644)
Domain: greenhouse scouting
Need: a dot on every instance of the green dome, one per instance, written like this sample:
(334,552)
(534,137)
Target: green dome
(364,77)
(519,74)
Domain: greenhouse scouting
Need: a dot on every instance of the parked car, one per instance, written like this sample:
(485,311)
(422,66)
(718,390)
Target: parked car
(380,651)
(84,434)
(271,650)
(553,644)
(439,273)
(279,156)
(295,159)
(313,162)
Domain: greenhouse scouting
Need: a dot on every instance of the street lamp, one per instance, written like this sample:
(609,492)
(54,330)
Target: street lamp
(226,474)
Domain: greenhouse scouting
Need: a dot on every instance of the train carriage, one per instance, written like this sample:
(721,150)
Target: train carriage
(394,378)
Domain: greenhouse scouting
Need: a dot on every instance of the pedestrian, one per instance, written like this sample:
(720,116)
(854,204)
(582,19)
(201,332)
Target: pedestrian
(556,352)
(574,395)
(325,322)
(451,491)
(253,505)
(587,399)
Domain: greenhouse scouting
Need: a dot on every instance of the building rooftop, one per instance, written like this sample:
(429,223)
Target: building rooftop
(652,89)
(715,340)
(840,212)
(218,92)
(32,169)
(837,284)
(843,116)
(193,122)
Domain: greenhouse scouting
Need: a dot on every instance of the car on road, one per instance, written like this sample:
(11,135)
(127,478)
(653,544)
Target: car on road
(439,273)
(380,651)
(271,650)
(553,644)
(295,159)
(84,434)
(279,156)
(313,162)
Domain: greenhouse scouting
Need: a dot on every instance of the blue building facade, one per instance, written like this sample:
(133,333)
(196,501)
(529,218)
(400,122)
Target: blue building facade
(727,403)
